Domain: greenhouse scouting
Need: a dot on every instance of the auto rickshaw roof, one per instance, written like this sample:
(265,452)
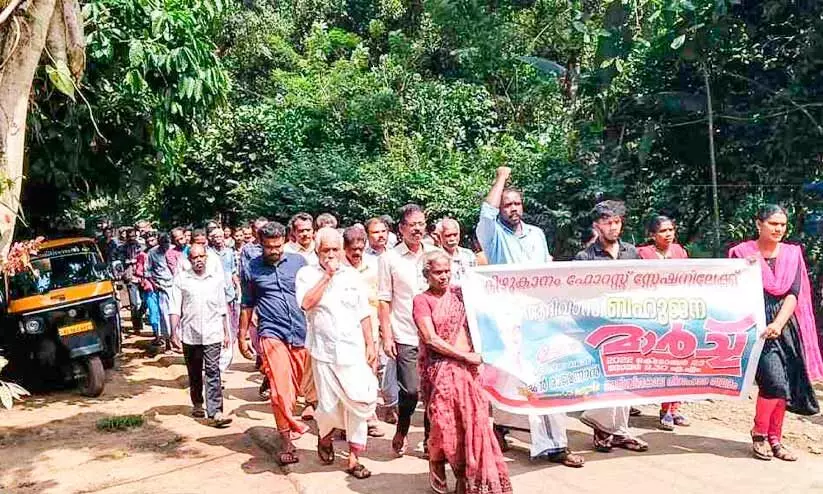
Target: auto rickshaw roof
(62,242)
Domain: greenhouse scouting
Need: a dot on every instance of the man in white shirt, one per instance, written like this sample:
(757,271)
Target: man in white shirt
(399,279)
(448,231)
(198,314)
(301,237)
(339,339)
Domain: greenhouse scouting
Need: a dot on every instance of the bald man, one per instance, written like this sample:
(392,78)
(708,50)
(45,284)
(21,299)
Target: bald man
(339,339)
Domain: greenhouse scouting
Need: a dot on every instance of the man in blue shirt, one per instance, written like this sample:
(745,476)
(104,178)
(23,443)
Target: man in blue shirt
(281,327)
(506,239)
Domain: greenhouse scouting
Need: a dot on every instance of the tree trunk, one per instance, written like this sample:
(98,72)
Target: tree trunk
(22,38)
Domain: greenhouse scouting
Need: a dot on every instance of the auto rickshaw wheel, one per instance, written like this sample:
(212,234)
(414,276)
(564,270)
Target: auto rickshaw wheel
(93,377)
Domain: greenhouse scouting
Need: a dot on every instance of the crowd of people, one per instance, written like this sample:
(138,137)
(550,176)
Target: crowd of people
(349,317)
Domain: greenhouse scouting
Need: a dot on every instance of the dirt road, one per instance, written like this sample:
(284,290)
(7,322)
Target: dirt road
(50,444)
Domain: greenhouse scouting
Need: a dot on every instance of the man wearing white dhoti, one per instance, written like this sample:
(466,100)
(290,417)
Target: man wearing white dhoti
(339,339)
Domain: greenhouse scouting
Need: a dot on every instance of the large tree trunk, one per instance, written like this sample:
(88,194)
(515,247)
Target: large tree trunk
(22,39)
(23,36)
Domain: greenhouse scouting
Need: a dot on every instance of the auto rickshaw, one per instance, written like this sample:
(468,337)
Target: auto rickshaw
(61,320)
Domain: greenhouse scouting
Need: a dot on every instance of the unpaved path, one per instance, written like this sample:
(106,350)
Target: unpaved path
(49,444)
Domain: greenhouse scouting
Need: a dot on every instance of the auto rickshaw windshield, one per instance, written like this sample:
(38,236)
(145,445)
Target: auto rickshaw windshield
(57,269)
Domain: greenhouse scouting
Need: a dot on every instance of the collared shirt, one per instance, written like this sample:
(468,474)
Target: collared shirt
(228,261)
(200,301)
(462,260)
(369,251)
(504,246)
(399,279)
(308,253)
(368,273)
(334,332)
(157,268)
(270,289)
(247,253)
(595,252)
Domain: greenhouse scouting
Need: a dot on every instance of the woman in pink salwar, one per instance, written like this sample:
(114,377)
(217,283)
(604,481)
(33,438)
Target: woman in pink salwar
(461,433)
(790,360)
(664,246)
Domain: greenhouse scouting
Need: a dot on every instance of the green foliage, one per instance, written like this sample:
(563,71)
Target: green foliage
(153,77)
(120,423)
(359,107)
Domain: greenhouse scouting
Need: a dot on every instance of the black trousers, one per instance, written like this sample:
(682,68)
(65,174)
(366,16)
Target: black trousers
(200,358)
(408,381)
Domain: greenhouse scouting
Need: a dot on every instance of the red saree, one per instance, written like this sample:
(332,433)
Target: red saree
(456,404)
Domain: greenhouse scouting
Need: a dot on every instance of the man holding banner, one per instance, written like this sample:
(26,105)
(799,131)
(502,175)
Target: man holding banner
(506,239)
(611,425)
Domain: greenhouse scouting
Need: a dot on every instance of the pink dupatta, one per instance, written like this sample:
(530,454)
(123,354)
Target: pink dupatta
(778,283)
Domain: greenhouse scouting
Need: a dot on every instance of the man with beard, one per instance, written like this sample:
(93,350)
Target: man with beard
(339,338)
(506,239)
(399,279)
(301,232)
(611,425)
(270,291)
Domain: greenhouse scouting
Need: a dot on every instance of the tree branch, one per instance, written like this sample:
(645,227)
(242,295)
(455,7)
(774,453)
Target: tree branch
(8,10)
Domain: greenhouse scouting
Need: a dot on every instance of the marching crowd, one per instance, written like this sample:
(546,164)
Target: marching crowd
(342,316)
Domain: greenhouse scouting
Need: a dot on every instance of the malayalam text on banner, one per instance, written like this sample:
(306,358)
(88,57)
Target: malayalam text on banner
(578,335)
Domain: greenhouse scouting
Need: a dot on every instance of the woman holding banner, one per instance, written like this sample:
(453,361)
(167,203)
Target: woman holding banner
(456,405)
(662,231)
(790,360)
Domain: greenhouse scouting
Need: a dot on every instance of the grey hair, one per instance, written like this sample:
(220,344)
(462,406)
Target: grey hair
(327,234)
(430,259)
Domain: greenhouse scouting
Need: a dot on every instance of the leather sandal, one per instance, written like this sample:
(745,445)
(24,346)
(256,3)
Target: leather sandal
(760,448)
(359,472)
(567,458)
(783,453)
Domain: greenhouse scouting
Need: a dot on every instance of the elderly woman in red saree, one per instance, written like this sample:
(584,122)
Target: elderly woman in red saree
(664,246)
(790,360)
(461,433)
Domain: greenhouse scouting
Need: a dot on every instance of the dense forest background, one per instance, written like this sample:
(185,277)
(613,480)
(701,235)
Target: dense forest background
(195,109)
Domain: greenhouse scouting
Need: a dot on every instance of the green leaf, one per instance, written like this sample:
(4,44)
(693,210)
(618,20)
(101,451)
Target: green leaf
(579,27)
(136,53)
(678,41)
(61,78)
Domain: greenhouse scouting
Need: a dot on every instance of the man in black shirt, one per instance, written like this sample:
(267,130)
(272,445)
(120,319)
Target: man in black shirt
(611,425)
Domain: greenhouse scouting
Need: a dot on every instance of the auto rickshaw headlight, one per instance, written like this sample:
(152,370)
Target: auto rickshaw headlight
(33,325)
(109,309)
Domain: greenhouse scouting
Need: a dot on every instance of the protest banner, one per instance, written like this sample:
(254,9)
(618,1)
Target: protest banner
(572,336)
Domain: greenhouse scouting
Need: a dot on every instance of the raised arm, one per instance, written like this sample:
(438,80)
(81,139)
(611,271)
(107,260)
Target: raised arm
(496,192)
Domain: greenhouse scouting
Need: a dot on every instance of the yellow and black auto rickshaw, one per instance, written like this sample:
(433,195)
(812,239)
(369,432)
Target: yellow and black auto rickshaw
(61,323)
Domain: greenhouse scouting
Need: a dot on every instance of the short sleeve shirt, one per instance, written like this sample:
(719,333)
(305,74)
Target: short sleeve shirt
(271,290)
(502,245)
(200,302)
(399,279)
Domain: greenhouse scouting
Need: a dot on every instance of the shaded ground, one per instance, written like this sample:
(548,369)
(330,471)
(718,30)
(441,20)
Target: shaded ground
(49,444)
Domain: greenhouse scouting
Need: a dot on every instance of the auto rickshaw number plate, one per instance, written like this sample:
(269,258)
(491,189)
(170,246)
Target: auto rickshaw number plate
(80,327)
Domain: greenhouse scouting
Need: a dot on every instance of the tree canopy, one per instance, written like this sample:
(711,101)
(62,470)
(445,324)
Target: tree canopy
(358,107)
